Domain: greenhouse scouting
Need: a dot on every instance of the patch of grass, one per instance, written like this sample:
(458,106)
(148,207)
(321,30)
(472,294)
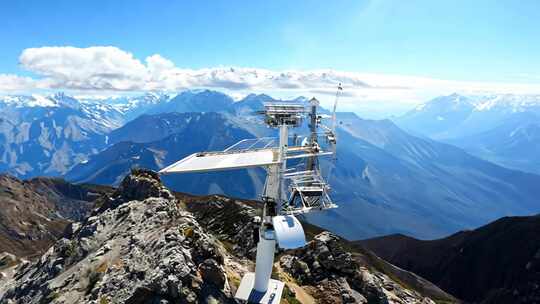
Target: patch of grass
(227,245)
(94,275)
(117,264)
(289,296)
(188,232)
(71,249)
(8,264)
(103,300)
(102,268)
(275,273)
(99,203)
(233,281)
(51,297)
(93,278)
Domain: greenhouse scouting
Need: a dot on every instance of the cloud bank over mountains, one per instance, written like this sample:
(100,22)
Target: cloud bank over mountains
(110,68)
(101,69)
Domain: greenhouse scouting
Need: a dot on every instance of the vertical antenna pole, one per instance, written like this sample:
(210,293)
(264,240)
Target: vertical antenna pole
(313,131)
(339,89)
(283,145)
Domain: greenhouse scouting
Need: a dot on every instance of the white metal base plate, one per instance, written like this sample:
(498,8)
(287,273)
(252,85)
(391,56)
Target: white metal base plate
(246,292)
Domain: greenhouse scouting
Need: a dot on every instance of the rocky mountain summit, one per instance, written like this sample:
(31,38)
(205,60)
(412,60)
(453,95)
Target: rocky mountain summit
(143,244)
(137,247)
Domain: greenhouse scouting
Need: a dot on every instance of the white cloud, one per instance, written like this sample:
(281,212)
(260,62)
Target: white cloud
(12,83)
(109,69)
(93,68)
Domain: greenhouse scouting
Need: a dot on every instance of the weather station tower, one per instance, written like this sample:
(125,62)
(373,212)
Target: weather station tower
(289,191)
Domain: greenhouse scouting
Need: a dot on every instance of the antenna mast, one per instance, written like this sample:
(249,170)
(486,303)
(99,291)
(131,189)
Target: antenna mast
(287,191)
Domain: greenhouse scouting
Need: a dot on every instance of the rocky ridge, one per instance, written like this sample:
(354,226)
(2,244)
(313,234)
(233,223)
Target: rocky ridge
(140,245)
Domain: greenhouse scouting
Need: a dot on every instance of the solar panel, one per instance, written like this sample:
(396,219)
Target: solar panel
(216,161)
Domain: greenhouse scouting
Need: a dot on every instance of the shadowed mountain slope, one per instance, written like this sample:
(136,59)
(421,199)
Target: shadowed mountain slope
(34,213)
(496,263)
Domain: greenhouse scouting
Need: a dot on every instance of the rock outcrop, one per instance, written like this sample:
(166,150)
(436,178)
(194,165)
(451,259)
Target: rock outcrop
(140,248)
(339,277)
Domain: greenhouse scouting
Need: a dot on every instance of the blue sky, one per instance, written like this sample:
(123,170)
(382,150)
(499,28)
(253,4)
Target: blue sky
(465,41)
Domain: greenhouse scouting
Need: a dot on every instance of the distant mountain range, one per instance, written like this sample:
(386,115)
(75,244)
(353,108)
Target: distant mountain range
(154,141)
(497,263)
(504,129)
(385,181)
(426,188)
(48,135)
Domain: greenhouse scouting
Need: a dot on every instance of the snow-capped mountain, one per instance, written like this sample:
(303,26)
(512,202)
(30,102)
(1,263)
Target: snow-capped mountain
(47,135)
(510,103)
(438,116)
(194,101)
(133,106)
(36,100)
(499,128)
(455,115)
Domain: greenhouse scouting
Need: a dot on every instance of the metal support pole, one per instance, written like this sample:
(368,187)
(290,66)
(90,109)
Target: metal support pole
(265,261)
(267,244)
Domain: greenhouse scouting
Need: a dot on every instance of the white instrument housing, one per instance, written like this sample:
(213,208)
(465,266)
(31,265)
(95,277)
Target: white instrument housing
(288,231)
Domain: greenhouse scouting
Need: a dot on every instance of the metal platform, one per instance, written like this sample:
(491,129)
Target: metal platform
(290,114)
(246,292)
(309,192)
